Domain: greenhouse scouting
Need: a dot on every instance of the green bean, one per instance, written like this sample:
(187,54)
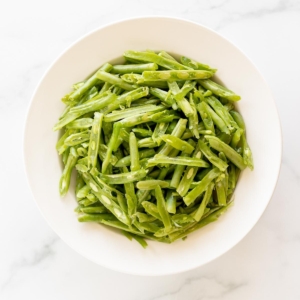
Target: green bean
(94,210)
(83,109)
(151,184)
(79,92)
(125,161)
(119,225)
(96,217)
(144,118)
(186,161)
(64,182)
(177,132)
(195,65)
(144,218)
(130,195)
(125,98)
(205,221)
(213,158)
(112,142)
(222,112)
(143,195)
(236,137)
(224,137)
(159,130)
(162,210)
(140,240)
(107,77)
(139,80)
(216,119)
(171,201)
(94,140)
(83,192)
(200,211)
(118,115)
(134,152)
(206,117)
(150,226)
(154,58)
(77,138)
(187,87)
(175,75)
(177,143)
(189,174)
(102,151)
(247,154)
(82,123)
(221,190)
(142,133)
(151,209)
(112,206)
(124,177)
(147,143)
(106,86)
(230,153)
(79,184)
(219,90)
(193,119)
(166,55)
(162,95)
(201,187)
(178,174)
(231,177)
(61,147)
(135,68)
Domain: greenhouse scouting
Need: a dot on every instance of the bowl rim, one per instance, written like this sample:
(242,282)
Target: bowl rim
(120,21)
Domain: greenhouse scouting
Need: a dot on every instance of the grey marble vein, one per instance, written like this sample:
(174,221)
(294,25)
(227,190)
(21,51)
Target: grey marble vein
(38,256)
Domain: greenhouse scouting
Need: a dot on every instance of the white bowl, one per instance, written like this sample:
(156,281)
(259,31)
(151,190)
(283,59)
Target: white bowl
(43,167)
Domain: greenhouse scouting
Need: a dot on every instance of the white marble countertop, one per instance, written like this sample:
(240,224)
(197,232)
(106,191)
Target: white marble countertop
(36,264)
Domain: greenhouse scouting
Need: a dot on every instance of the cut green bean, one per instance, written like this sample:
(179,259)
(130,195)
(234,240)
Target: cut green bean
(154,58)
(219,90)
(213,158)
(175,75)
(177,143)
(201,187)
(230,153)
(124,177)
(125,113)
(186,161)
(64,182)
(112,79)
(135,68)
(134,153)
(95,140)
(112,142)
(151,184)
(162,210)
(195,65)
(80,91)
(82,123)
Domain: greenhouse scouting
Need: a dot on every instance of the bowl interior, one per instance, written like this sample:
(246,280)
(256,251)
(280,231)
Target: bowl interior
(105,246)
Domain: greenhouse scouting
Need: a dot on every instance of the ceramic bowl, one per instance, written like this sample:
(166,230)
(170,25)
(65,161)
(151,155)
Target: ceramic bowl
(108,247)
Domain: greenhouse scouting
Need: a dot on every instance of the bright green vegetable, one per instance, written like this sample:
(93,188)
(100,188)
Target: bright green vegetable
(219,90)
(176,75)
(135,68)
(157,146)
(177,143)
(94,140)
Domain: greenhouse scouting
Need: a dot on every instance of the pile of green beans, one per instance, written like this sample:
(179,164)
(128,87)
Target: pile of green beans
(157,145)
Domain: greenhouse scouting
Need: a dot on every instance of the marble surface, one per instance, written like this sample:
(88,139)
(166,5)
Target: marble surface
(36,264)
